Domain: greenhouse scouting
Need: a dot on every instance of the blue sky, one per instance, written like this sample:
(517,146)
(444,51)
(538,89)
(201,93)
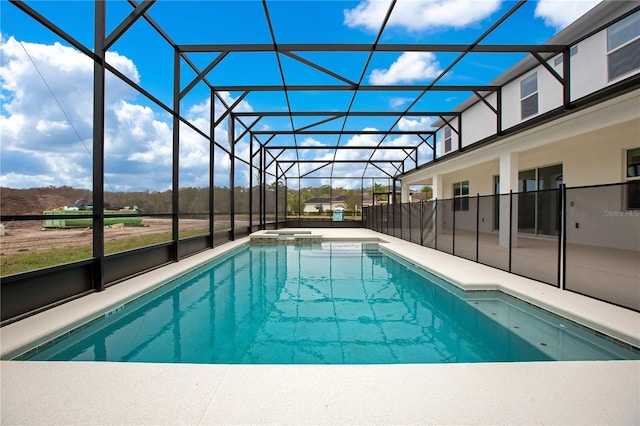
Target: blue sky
(46,86)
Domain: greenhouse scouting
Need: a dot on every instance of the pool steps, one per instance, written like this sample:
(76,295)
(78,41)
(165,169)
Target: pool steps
(277,237)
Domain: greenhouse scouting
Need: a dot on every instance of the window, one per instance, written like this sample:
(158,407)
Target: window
(633,179)
(461,196)
(529,96)
(572,52)
(447,139)
(623,46)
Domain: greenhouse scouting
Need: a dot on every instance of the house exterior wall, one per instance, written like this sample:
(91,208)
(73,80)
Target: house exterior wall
(592,159)
(597,216)
(480,121)
(590,144)
(588,74)
(549,97)
(589,66)
(312,207)
(309,208)
(595,158)
(480,179)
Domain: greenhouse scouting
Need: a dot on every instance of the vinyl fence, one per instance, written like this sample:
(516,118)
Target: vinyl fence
(583,239)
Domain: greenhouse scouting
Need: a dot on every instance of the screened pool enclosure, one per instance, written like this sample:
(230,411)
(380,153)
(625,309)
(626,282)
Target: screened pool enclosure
(237,133)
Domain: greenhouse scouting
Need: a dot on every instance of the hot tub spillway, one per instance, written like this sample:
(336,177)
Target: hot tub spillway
(271,237)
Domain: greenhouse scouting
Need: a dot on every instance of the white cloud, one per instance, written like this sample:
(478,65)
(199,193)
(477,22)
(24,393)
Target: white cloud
(560,13)
(409,67)
(420,15)
(28,180)
(416,124)
(309,141)
(29,112)
(48,127)
(47,139)
(398,102)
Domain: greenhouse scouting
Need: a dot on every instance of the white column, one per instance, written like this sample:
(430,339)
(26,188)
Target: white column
(437,187)
(508,182)
(405,193)
(438,191)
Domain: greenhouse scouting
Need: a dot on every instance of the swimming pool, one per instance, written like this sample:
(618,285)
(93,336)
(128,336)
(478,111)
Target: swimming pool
(329,303)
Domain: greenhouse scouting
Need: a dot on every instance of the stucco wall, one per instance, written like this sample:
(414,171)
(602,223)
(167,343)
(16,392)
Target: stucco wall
(589,73)
(480,179)
(588,159)
(589,66)
(479,121)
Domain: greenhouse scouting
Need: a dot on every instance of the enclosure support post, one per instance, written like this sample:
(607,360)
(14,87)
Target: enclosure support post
(477,225)
(362,197)
(299,198)
(562,241)
(453,227)
(510,227)
(232,177)
(98,146)
(212,157)
(251,183)
(435,227)
(566,78)
(260,184)
(276,194)
(499,111)
(263,188)
(409,215)
(421,222)
(175,181)
(286,198)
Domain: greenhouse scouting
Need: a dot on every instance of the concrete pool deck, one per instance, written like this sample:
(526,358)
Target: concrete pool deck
(603,392)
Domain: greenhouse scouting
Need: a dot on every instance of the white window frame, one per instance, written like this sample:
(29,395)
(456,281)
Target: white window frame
(628,178)
(525,95)
(572,52)
(447,139)
(460,198)
(632,21)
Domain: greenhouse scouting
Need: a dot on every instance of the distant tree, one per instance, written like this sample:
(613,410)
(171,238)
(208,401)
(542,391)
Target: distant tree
(379,188)
(293,200)
(325,191)
(353,198)
(428,191)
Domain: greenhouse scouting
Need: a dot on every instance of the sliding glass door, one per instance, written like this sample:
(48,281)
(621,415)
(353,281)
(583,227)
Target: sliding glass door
(538,200)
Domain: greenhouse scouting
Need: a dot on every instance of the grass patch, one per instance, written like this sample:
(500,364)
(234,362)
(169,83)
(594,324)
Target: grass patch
(29,261)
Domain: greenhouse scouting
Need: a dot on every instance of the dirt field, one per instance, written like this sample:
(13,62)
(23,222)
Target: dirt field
(28,236)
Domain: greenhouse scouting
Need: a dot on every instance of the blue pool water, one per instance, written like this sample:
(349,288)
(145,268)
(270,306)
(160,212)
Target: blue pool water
(334,303)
